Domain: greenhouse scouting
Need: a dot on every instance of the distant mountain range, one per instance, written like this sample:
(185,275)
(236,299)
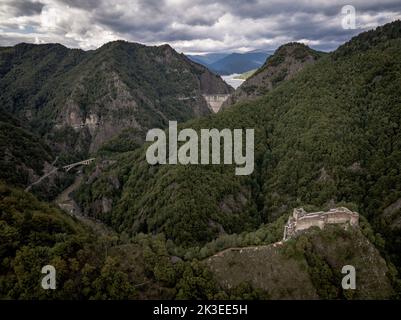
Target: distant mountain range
(209,58)
(229,63)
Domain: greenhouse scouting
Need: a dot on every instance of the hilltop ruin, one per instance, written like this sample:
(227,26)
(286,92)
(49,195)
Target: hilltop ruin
(301,220)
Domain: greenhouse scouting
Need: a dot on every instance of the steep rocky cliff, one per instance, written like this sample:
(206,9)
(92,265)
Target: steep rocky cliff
(78,100)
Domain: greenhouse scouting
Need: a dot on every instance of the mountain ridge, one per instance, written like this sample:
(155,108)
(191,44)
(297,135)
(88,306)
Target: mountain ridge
(285,63)
(77,100)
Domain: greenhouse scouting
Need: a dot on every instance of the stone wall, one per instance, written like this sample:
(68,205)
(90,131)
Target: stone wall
(301,220)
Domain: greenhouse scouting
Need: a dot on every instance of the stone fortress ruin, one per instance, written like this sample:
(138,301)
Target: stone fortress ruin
(301,220)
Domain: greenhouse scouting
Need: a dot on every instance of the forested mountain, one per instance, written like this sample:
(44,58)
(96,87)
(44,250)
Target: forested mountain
(93,265)
(78,100)
(25,157)
(22,150)
(308,268)
(286,62)
(329,135)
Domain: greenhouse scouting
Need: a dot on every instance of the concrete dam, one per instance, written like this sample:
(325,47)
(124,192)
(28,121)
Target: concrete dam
(215,101)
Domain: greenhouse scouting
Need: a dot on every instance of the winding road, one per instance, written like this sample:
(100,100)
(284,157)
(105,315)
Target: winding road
(65,202)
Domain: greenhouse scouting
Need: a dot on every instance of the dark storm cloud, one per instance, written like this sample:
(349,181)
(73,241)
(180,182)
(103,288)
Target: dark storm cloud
(23,7)
(82,4)
(140,15)
(200,20)
(258,9)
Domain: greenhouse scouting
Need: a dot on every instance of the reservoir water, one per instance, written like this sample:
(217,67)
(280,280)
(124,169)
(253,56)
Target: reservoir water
(230,79)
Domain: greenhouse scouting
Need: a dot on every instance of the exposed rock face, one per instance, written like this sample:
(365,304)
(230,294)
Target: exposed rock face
(83,99)
(211,83)
(287,61)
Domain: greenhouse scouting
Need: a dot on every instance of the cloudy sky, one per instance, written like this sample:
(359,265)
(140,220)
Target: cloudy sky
(189,26)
